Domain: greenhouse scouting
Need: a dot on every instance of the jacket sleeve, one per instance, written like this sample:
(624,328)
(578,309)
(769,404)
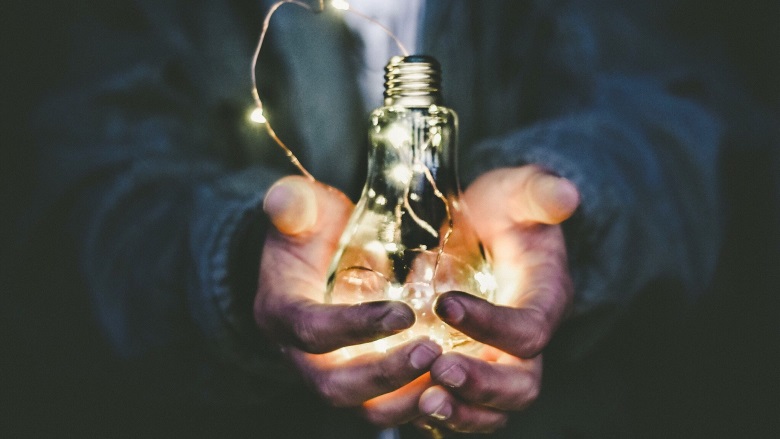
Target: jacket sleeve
(167,224)
(627,117)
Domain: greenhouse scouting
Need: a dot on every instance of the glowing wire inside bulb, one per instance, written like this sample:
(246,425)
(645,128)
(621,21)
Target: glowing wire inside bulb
(401,174)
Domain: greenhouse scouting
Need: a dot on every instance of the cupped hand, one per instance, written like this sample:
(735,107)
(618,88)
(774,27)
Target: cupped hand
(517,212)
(308,219)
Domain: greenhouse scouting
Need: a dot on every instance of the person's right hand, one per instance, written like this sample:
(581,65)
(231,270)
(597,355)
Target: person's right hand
(308,219)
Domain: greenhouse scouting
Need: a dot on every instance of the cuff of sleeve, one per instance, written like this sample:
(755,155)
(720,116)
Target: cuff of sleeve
(227,239)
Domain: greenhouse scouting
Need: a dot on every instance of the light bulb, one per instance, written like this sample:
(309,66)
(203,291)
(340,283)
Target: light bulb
(410,237)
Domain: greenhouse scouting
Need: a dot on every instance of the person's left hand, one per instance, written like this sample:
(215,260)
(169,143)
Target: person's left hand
(518,212)
(289,309)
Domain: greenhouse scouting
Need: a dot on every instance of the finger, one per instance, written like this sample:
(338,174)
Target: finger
(546,198)
(293,272)
(291,205)
(528,194)
(508,384)
(319,328)
(354,381)
(298,206)
(305,255)
(459,416)
(397,407)
(522,332)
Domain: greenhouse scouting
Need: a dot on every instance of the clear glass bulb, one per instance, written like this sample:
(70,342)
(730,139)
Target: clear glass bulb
(409,237)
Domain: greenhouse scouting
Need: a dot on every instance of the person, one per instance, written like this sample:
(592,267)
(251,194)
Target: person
(590,142)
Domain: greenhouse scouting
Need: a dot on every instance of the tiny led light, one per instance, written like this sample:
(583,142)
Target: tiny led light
(257,116)
(340,4)
(401,174)
(486,281)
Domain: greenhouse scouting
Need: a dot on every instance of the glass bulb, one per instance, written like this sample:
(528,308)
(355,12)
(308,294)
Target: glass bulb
(410,237)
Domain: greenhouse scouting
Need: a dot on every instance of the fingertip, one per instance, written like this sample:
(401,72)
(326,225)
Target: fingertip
(424,354)
(291,205)
(397,317)
(566,197)
(556,198)
(449,308)
(435,403)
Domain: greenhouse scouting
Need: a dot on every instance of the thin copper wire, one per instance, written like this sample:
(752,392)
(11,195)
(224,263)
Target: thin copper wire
(450,224)
(256,94)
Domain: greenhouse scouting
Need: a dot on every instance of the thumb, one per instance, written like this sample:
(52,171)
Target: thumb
(527,194)
(291,205)
(544,197)
(308,218)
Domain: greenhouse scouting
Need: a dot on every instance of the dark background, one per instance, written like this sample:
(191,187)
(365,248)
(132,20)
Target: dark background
(712,374)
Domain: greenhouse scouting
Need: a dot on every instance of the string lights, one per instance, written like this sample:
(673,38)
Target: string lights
(258,114)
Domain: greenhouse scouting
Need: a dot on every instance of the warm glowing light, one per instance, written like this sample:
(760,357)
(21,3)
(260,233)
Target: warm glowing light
(436,139)
(487,282)
(257,116)
(375,248)
(395,292)
(381,345)
(398,136)
(340,4)
(401,174)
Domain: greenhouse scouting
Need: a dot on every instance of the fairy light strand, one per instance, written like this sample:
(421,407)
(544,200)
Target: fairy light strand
(258,115)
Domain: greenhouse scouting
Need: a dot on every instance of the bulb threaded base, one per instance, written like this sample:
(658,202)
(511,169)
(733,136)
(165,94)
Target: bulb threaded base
(412,81)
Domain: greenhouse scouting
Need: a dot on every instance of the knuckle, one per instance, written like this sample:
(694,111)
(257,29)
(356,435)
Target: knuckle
(536,337)
(377,417)
(327,389)
(496,425)
(533,392)
(306,335)
(386,379)
(528,395)
(487,395)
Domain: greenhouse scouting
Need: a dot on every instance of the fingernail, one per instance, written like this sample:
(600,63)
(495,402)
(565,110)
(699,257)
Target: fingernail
(450,310)
(435,405)
(422,357)
(455,376)
(397,319)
